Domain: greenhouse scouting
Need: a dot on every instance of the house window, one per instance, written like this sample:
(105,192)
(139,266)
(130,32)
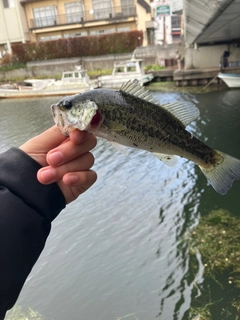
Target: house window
(127,7)
(74,12)
(102,9)
(8,4)
(176,22)
(45,16)
(127,3)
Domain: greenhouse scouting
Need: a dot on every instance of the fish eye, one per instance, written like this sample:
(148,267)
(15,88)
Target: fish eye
(67,104)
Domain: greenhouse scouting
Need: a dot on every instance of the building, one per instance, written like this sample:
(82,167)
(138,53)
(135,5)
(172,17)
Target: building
(168,30)
(13,25)
(54,19)
(169,22)
(177,6)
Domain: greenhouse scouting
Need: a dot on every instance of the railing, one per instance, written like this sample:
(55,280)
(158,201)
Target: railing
(114,13)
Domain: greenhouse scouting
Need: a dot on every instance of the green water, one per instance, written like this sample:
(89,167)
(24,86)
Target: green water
(121,250)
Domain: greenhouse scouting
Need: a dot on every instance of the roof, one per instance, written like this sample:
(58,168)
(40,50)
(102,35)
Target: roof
(215,21)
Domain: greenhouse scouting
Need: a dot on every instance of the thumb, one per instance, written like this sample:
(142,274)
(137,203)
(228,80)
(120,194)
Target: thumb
(45,141)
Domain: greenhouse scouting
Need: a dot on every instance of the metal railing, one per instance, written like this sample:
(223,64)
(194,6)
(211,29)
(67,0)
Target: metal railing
(114,13)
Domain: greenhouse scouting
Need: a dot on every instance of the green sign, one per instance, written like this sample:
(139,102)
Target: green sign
(163,10)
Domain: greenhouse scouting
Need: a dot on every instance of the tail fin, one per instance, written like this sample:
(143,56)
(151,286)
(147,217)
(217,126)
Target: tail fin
(222,175)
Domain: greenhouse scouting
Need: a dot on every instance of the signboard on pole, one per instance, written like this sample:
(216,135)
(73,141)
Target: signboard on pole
(163,10)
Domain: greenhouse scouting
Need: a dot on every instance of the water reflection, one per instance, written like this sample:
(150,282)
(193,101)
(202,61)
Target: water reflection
(121,249)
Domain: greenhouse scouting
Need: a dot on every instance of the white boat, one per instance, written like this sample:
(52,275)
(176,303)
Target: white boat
(123,72)
(72,82)
(232,80)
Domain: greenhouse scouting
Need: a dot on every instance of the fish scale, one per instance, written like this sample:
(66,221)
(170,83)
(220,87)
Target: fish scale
(131,117)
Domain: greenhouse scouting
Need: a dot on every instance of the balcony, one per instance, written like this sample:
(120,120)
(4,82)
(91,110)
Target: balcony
(110,14)
(151,24)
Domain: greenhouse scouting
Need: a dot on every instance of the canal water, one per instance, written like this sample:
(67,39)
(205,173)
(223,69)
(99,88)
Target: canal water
(115,253)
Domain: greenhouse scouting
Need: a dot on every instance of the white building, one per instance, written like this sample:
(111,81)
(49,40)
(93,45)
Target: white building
(168,22)
(177,6)
(13,26)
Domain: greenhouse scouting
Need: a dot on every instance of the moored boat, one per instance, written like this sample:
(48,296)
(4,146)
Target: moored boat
(72,82)
(123,72)
(232,80)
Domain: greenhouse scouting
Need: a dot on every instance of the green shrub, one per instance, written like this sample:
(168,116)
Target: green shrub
(153,67)
(12,66)
(19,313)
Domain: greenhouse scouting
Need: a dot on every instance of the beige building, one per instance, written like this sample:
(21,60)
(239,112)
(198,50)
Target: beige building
(13,25)
(42,20)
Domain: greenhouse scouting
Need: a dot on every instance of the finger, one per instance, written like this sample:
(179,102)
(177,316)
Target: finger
(50,174)
(76,136)
(69,150)
(76,183)
(52,137)
(81,180)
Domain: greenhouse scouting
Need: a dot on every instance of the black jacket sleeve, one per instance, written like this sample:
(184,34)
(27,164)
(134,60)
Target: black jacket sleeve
(26,210)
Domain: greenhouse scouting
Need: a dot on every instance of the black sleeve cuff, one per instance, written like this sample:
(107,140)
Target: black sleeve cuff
(19,175)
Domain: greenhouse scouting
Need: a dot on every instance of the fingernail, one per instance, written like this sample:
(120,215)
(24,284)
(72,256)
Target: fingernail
(56,158)
(48,174)
(78,136)
(72,179)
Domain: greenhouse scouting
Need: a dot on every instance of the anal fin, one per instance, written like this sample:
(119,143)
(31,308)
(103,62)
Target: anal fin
(170,161)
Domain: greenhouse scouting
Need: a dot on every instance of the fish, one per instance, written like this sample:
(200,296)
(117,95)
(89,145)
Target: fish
(131,117)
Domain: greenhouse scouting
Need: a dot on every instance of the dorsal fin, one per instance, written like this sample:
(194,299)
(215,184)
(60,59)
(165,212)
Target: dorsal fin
(184,111)
(136,89)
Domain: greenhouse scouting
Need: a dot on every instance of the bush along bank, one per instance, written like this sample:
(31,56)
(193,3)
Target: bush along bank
(121,42)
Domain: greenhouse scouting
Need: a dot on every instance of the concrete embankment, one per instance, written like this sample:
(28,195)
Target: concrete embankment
(191,77)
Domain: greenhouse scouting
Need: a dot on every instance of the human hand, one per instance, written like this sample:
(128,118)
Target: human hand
(65,160)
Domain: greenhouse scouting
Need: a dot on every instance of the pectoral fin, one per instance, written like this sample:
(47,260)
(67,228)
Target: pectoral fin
(119,147)
(170,161)
(115,126)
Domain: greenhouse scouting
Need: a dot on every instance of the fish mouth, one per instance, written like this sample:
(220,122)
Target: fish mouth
(81,117)
(60,120)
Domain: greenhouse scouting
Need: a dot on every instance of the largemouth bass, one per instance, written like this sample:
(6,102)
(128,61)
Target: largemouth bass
(131,117)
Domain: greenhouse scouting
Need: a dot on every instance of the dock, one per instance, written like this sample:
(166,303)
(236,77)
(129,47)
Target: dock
(192,77)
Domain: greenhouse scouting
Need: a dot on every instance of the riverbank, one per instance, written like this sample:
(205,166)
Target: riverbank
(167,79)
(102,65)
